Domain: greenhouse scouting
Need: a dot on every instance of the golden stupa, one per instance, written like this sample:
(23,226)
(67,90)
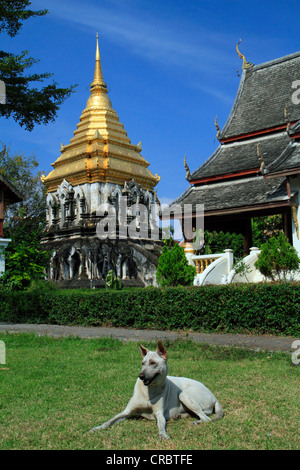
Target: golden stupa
(100,150)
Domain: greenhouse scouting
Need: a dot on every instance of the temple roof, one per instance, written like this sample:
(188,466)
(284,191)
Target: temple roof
(241,156)
(264,92)
(294,131)
(287,163)
(100,149)
(234,196)
(11,193)
(258,145)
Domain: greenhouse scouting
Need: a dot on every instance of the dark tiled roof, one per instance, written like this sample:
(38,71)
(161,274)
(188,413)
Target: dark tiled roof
(263,93)
(287,162)
(238,194)
(295,129)
(241,155)
(11,193)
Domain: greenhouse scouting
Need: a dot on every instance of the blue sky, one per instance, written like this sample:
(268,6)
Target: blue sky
(170,66)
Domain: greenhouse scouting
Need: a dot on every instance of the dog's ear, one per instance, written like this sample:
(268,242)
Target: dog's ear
(161,350)
(144,350)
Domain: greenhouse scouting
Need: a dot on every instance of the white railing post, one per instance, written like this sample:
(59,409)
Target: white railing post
(229,254)
(189,252)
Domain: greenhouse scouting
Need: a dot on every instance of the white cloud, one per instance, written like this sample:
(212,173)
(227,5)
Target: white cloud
(147,35)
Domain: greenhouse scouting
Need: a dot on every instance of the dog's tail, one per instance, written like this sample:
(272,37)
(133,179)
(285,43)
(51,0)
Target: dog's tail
(218,411)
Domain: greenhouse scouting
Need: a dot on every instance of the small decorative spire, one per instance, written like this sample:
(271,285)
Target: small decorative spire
(97,134)
(246,64)
(98,97)
(287,119)
(261,158)
(98,76)
(188,173)
(217,127)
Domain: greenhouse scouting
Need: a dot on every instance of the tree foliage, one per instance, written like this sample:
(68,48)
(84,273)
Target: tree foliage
(217,242)
(173,268)
(25,103)
(25,261)
(22,171)
(264,228)
(24,222)
(278,259)
(12,14)
(112,282)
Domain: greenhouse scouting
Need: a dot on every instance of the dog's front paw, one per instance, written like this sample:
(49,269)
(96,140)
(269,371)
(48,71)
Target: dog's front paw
(103,426)
(95,429)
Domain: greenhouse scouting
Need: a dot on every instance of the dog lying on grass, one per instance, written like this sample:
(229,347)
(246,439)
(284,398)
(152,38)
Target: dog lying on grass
(159,396)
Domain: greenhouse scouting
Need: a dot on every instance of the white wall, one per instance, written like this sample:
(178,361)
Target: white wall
(295,186)
(3,244)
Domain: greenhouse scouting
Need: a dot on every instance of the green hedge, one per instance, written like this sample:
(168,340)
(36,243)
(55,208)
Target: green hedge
(260,308)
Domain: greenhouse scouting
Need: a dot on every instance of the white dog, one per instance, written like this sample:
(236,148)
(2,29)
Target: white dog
(157,395)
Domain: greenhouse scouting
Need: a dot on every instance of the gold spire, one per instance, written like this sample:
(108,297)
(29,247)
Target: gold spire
(98,87)
(98,76)
(100,150)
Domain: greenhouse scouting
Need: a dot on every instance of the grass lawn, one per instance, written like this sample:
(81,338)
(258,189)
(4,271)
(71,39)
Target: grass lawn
(52,391)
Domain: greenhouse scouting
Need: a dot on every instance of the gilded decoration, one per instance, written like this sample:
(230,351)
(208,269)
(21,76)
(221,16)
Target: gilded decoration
(100,149)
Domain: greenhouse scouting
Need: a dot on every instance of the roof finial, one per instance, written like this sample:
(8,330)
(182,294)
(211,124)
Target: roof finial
(261,158)
(218,128)
(246,64)
(188,173)
(98,97)
(98,77)
(287,118)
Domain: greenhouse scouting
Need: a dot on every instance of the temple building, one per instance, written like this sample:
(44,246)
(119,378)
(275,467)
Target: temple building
(9,194)
(98,168)
(255,170)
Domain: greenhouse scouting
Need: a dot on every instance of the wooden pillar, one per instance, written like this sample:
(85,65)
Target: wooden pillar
(247,236)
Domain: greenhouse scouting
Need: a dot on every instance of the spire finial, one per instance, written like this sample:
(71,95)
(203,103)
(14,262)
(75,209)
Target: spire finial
(98,97)
(98,77)
(246,64)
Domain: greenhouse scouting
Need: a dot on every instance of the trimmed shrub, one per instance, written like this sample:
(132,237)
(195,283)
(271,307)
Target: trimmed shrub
(278,259)
(173,268)
(260,308)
